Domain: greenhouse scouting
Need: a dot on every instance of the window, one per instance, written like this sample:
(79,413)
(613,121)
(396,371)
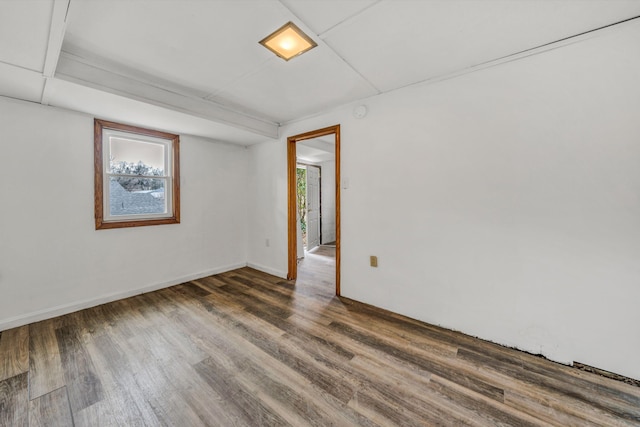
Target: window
(137,176)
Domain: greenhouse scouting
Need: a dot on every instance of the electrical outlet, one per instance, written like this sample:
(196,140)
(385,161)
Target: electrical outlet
(266,242)
(373,260)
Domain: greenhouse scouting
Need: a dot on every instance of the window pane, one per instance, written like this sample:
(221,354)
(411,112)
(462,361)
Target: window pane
(137,196)
(135,157)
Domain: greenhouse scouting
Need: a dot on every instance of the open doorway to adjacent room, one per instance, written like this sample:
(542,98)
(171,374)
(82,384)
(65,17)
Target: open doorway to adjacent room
(314,206)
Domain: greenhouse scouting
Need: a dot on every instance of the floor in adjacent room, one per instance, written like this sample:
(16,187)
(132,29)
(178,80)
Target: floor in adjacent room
(318,268)
(246,348)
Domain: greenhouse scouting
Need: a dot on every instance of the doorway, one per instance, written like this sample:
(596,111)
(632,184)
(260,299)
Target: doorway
(292,208)
(309,199)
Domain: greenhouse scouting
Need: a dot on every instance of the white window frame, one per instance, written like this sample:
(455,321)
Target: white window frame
(107,135)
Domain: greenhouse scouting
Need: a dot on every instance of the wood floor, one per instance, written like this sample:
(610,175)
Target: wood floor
(248,349)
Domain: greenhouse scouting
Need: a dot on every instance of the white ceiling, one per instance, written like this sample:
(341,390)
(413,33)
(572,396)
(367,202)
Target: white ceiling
(196,65)
(316,150)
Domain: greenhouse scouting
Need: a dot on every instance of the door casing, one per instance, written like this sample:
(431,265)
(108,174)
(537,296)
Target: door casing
(291,198)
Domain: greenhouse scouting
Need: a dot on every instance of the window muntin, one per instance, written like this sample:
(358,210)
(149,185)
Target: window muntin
(137,176)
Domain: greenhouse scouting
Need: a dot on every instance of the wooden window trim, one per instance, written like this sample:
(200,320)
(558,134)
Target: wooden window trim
(101,224)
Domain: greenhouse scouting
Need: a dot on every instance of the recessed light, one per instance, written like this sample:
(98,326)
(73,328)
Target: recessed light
(288,41)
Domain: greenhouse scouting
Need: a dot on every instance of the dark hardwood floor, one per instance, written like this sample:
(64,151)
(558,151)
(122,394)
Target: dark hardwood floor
(247,349)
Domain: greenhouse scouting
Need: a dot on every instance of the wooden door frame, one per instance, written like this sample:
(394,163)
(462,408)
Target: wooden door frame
(292,202)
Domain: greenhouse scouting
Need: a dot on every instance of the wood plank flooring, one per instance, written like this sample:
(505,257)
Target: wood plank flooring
(245,348)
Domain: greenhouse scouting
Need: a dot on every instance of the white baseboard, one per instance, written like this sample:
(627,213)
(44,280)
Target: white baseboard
(268,270)
(48,313)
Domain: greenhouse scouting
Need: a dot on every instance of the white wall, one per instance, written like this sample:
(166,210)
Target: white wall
(267,201)
(328,204)
(504,203)
(52,260)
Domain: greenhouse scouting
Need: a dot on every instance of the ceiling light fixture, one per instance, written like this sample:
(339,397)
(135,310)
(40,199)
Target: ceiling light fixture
(288,41)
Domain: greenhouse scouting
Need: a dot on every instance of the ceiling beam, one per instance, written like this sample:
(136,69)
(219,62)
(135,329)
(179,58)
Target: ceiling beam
(87,72)
(56,35)
(54,46)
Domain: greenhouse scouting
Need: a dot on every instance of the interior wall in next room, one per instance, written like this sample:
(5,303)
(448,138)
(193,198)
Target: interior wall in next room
(328,201)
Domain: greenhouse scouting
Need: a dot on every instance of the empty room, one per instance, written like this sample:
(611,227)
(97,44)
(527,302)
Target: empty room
(319,212)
